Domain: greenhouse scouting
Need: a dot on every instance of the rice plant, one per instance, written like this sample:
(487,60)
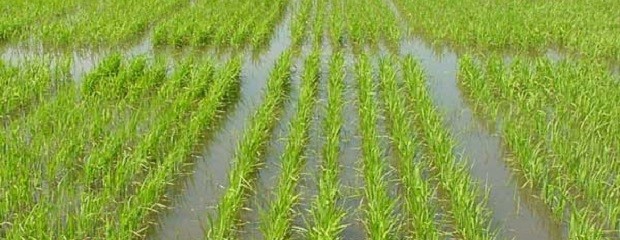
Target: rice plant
(540,102)
(417,194)
(249,152)
(466,202)
(326,216)
(380,221)
(278,219)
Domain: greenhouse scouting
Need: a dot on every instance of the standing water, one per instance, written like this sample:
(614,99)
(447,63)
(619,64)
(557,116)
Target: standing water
(350,148)
(514,210)
(188,217)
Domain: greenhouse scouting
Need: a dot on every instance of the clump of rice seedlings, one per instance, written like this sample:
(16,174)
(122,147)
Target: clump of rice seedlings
(95,23)
(318,24)
(19,16)
(278,218)
(550,124)
(134,214)
(326,216)
(225,24)
(249,152)
(70,133)
(364,22)
(88,120)
(380,220)
(417,194)
(469,216)
(519,25)
(300,23)
(336,22)
(126,157)
(26,86)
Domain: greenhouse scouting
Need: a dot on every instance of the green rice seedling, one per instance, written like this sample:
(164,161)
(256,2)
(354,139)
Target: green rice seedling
(417,194)
(90,118)
(467,212)
(541,101)
(518,25)
(267,26)
(26,86)
(221,24)
(134,214)
(336,27)
(19,17)
(248,153)
(327,217)
(318,25)
(363,23)
(105,112)
(300,23)
(169,150)
(278,219)
(380,221)
(95,24)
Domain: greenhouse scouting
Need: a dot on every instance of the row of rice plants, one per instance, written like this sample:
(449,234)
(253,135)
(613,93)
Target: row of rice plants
(416,192)
(554,117)
(104,23)
(319,22)
(466,204)
(248,155)
(326,215)
(277,221)
(380,222)
(19,16)
(55,136)
(26,86)
(115,169)
(221,23)
(300,23)
(519,25)
(148,153)
(363,22)
(134,214)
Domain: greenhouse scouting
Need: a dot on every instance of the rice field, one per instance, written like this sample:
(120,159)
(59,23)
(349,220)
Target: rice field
(310,119)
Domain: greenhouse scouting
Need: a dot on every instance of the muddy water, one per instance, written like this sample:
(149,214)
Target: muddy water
(514,211)
(188,217)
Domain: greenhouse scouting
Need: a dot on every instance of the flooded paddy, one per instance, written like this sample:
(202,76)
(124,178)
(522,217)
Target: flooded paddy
(158,147)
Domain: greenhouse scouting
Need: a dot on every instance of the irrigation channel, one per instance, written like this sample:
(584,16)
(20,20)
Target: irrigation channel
(515,211)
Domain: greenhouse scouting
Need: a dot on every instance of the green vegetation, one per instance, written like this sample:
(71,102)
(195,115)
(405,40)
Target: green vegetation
(18,17)
(380,221)
(27,86)
(106,154)
(419,213)
(249,152)
(277,221)
(221,23)
(327,216)
(363,22)
(519,25)
(554,115)
(96,140)
(469,216)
